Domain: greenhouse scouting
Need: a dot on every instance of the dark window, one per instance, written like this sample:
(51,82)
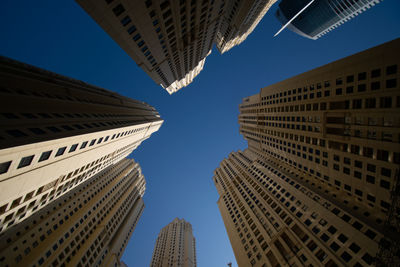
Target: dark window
(370,103)
(350,79)
(332,229)
(324,237)
(346,256)
(371,167)
(4,166)
(370,234)
(357,225)
(125,21)
(391,83)
(370,179)
(375,85)
(339,91)
(45,156)
(362,76)
(61,151)
(54,129)
(16,133)
(334,246)
(391,69)
(386,102)
(371,198)
(386,172)
(92,142)
(349,89)
(118,10)
(84,145)
(25,161)
(368,258)
(358,192)
(362,87)
(375,73)
(342,238)
(131,29)
(37,131)
(73,148)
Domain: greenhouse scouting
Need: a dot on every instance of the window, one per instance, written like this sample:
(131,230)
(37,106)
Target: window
(386,102)
(370,103)
(73,148)
(342,238)
(25,161)
(391,83)
(16,133)
(45,156)
(131,29)
(391,69)
(334,246)
(362,76)
(37,131)
(370,179)
(386,172)
(118,10)
(92,142)
(61,151)
(332,230)
(4,167)
(125,21)
(346,256)
(84,145)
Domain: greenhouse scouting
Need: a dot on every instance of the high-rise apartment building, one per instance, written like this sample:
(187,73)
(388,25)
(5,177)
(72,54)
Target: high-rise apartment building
(57,133)
(169,40)
(89,225)
(321,16)
(175,246)
(319,182)
(239,20)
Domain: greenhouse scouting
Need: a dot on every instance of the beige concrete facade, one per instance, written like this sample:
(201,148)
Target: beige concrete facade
(239,20)
(169,40)
(175,246)
(321,172)
(90,225)
(57,133)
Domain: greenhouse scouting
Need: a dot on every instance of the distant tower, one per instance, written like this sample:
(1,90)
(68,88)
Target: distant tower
(319,182)
(56,133)
(175,246)
(321,16)
(239,20)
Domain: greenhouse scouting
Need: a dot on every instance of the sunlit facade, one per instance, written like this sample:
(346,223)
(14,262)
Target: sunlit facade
(318,183)
(239,20)
(89,225)
(169,40)
(57,133)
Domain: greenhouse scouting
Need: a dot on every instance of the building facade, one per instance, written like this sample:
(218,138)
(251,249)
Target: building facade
(169,40)
(239,20)
(320,17)
(175,246)
(90,225)
(56,133)
(319,181)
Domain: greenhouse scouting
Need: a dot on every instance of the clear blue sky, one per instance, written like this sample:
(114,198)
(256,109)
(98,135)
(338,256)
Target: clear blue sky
(200,127)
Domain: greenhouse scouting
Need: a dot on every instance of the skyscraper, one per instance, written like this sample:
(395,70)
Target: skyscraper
(319,182)
(169,40)
(175,246)
(321,16)
(89,225)
(239,20)
(57,133)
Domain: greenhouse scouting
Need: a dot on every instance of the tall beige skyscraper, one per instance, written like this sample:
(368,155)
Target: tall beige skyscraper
(57,133)
(319,182)
(175,246)
(239,20)
(169,40)
(89,225)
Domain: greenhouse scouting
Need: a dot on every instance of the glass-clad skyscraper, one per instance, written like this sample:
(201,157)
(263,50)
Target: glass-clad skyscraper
(321,16)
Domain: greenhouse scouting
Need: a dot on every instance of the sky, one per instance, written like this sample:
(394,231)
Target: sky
(200,126)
